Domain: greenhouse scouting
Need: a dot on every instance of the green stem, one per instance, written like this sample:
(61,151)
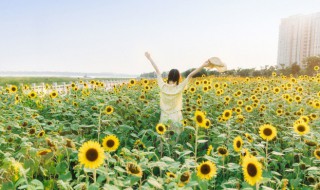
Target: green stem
(95,175)
(107,176)
(99,126)
(196,144)
(266,162)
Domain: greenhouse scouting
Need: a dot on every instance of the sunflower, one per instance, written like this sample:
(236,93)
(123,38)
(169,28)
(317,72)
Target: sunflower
(267,132)
(252,170)
(207,123)
(13,89)
(134,169)
(276,90)
(279,112)
(248,136)
(32,131)
(206,170)
(132,82)
(316,68)
(184,178)
(70,144)
(313,116)
(301,128)
(139,144)
(41,134)
(142,97)
(209,150)
(249,109)
(161,128)
(32,94)
(53,94)
(240,119)
(184,122)
(200,118)
(305,119)
(205,88)
(227,98)
(244,152)
(226,115)
(222,151)
(108,110)
(91,155)
(43,152)
(238,110)
(110,143)
(317,153)
(171,175)
(237,144)
(192,89)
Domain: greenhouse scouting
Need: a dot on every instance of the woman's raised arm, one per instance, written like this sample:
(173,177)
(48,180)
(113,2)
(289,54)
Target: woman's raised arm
(147,54)
(205,64)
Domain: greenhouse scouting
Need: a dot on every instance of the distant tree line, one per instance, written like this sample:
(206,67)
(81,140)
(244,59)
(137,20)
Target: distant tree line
(309,64)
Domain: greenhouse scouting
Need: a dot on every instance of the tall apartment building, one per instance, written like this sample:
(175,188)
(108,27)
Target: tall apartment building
(299,37)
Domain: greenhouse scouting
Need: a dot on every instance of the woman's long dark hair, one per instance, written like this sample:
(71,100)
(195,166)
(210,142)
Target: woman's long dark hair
(174,76)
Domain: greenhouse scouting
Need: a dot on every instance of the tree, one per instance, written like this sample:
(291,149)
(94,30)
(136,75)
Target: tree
(310,63)
(295,69)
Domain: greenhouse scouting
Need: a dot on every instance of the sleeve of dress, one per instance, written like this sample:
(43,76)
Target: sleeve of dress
(183,85)
(160,80)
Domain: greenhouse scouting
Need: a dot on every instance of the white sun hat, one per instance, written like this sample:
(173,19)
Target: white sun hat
(215,62)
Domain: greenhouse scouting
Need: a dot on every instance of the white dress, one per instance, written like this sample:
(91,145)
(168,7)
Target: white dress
(171,101)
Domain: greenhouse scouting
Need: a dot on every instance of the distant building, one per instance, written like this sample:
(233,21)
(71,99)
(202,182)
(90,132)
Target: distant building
(299,37)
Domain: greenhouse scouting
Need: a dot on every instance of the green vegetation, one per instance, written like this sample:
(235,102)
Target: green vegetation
(38,80)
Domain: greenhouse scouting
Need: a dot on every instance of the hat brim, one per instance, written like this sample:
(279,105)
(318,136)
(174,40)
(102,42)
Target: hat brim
(215,62)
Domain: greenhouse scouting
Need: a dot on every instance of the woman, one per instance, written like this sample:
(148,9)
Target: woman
(171,95)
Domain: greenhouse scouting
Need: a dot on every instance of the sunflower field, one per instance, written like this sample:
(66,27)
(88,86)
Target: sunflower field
(237,133)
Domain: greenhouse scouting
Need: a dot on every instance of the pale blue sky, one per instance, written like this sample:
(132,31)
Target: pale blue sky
(112,36)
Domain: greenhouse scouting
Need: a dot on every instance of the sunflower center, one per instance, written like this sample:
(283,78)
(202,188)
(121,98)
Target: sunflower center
(318,153)
(238,144)
(108,109)
(267,132)
(252,170)
(92,154)
(205,169)
(133,169)
(110,143)
(199,119)
(227,114)
(222,151)
(301,128)
(184,177)
(207,123)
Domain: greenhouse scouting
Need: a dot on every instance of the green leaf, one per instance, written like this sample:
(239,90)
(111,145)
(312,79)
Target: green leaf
(277,153)
(184,153)
(110,187)
(38,184)
(202,141)
(62,167)
(313,168)
(93,187)
(154,183)
(119,169)
(7,185)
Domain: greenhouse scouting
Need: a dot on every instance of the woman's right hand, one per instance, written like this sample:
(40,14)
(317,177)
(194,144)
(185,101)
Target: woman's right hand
(147,54)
